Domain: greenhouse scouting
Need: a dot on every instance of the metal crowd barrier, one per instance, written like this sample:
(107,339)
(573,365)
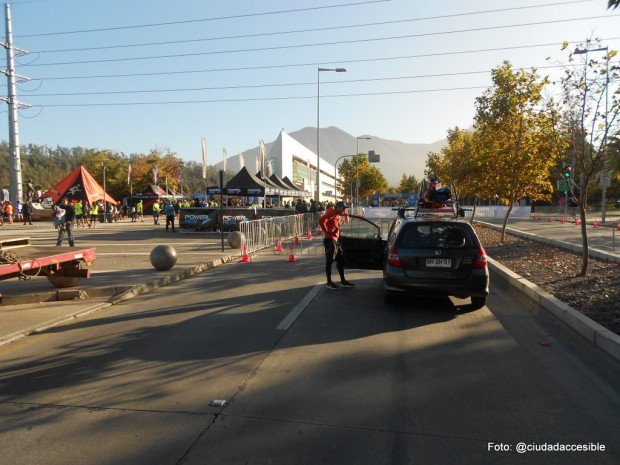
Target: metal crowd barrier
(265,232)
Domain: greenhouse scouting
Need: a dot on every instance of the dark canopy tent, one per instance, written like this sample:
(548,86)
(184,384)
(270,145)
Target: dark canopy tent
(287,190)
(246,184)
(269,183)
(288,182)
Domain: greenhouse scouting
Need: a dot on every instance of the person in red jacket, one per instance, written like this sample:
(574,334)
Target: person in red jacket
(330,224)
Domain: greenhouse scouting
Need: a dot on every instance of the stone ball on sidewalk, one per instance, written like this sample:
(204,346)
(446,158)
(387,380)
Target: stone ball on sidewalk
(236,239)
(163,257)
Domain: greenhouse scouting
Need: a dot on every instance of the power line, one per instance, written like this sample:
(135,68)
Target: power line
(286,84)
(292,65)
(215,18)
(254,99)
(298,31)
(341,42)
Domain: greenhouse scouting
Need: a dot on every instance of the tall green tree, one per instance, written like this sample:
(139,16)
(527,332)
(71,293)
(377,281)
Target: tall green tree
(591,114)
(358,167)
(408,185)
(458,165)
(519,140)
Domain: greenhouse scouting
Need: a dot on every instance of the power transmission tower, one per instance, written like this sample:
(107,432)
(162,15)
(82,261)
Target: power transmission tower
(14,105)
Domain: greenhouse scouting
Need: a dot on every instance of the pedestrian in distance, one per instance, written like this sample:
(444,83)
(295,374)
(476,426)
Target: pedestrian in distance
(140,210)
(330,224)
(156,208)
(66,222)
(28,212)
(94,214)
(170,213)
(79,213)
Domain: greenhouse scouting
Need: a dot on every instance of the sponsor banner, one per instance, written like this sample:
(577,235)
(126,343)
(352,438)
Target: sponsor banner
(198,219)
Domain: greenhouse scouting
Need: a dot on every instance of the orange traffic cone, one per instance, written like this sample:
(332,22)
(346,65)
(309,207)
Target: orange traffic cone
(291,255)
(596,224)
(618,227)
(549,220)
(309,234)
(562,220)
(245,258)
(278,247)
(577,222)
(296,240)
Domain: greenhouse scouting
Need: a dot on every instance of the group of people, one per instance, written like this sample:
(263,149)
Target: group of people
(9,213)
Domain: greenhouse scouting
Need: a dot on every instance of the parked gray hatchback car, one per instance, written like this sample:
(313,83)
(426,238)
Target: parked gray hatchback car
(431,255)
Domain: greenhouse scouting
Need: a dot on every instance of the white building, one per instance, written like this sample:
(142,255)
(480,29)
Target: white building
(289,158)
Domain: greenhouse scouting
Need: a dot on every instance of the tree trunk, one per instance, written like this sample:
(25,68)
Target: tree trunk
(584,238)
(473,213)
(501,240)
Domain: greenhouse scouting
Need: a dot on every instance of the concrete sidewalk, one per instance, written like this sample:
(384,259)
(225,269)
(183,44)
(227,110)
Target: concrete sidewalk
(603,243)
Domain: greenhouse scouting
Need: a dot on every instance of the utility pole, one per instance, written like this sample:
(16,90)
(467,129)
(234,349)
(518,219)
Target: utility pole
(11,99)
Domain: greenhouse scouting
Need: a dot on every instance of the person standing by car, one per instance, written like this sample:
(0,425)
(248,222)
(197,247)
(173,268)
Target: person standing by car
(330,224)
(67,224)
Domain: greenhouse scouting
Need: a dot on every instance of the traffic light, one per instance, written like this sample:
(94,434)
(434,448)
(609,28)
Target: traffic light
(568,172)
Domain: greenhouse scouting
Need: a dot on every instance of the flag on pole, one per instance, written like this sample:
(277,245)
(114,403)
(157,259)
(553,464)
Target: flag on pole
(257,164)
(224,158)
(155,175)
(204,158)
(261,145)
(129,174)
(241,160)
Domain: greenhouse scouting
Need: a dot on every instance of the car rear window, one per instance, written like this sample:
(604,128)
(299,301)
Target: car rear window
(436,235)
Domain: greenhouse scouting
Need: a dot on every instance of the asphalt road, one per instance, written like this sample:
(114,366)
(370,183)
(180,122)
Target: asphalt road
(349,381)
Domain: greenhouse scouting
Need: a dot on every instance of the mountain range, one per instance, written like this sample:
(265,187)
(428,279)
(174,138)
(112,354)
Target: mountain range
(397,158)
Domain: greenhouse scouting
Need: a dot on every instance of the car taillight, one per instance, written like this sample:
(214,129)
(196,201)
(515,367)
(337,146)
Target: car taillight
(394,258)
(481,259)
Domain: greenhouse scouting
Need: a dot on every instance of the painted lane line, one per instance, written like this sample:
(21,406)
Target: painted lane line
(299,308)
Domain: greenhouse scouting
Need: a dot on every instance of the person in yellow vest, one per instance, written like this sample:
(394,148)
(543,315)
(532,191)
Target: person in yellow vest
(156,210)
(94,213)
(140,210)
(79,214)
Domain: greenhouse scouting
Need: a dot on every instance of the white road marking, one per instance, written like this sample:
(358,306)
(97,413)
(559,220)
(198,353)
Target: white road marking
(299,308)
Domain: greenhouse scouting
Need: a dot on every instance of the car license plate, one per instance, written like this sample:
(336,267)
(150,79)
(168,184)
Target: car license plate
(438,262)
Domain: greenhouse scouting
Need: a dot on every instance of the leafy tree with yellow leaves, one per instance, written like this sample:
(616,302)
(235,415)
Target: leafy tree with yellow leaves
(518,140)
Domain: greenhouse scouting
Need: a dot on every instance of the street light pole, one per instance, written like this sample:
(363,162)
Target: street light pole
(318,137)
(357,168)
(105,205)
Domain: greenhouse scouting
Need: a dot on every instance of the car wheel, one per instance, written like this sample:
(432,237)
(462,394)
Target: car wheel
(478,302)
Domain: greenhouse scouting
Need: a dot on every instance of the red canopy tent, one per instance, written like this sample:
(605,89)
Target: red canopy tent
(80,185)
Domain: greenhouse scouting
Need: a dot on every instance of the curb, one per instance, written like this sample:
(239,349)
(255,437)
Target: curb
(594,253)
(547,307)
(128,294)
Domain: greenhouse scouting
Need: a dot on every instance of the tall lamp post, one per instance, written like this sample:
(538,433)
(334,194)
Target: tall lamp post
(604,179)
(357,168)
(318,137)
(105,205)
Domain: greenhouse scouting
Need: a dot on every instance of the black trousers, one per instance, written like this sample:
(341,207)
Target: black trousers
(333,252)
(169,221)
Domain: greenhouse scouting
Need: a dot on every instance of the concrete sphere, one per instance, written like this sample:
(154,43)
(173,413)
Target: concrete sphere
(163,257)
(236,239)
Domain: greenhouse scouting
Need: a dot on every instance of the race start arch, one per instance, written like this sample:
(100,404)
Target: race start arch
(389,200)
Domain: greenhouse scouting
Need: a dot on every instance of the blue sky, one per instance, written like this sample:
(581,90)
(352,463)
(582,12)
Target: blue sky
(422,85)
